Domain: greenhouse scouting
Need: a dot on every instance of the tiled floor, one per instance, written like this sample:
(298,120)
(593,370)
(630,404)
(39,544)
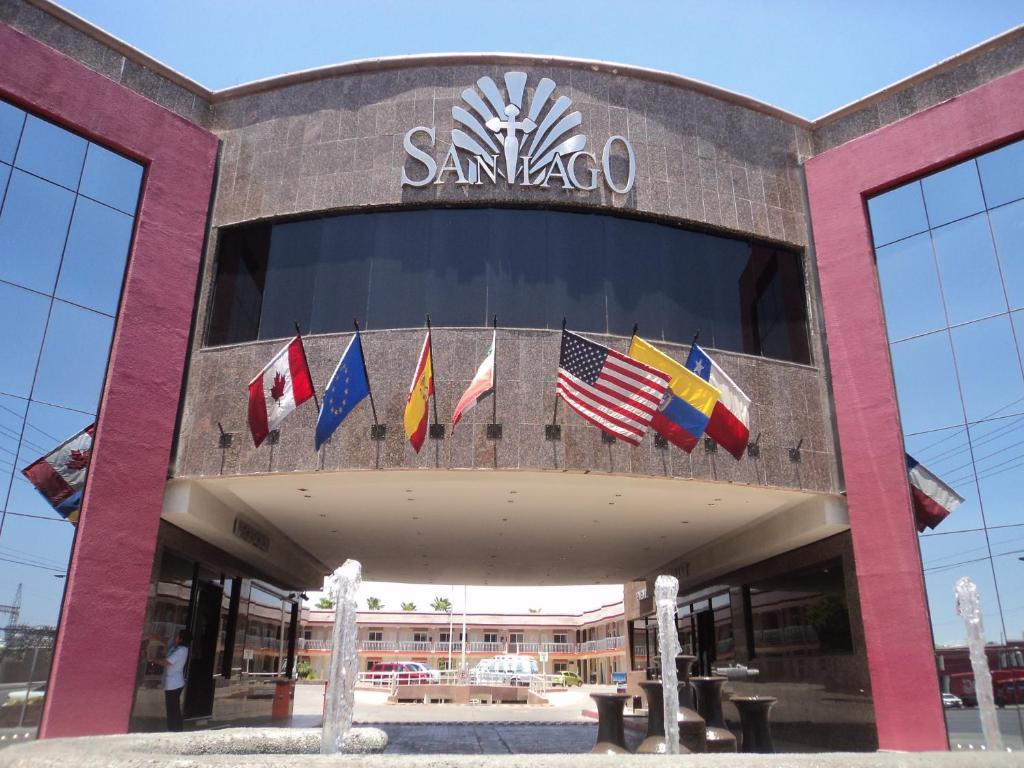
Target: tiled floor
(494,738)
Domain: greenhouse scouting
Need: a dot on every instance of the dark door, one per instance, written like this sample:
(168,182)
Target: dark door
(202,653)
(705,642)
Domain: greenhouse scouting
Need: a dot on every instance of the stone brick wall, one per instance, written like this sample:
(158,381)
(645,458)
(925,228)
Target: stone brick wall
(787,407)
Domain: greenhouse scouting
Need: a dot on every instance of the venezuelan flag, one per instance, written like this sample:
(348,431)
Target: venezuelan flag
(683,417)
(420,390)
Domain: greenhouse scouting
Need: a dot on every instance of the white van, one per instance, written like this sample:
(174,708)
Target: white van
(515,670)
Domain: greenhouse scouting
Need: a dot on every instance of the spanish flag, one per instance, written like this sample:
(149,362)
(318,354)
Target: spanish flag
(683,415)
(420,390)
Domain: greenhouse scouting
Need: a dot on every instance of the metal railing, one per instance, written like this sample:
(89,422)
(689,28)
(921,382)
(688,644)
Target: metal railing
(605,644)
(473,646)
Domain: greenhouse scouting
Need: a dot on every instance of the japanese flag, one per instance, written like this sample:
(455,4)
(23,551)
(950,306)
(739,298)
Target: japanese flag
(278,389)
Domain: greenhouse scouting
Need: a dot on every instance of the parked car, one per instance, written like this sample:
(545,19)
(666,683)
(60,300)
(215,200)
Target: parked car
(568,678)
(35,695)
(505,670)
(1010,692)
(405,672)
(951,700)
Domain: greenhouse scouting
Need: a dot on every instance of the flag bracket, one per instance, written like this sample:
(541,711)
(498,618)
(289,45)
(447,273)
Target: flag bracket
(754,447)
(437,431)
(710,446)
(274,437)
(553,432)
(607,439)
(225,439)
(794,452)
(660,442)
(378,431)
(494,431)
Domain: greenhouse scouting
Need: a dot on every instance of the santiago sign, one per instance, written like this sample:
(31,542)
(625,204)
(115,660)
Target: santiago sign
(535,147)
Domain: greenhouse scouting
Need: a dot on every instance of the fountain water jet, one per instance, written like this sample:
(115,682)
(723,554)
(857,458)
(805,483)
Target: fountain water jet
(666,588)
(344,669)
(968,606)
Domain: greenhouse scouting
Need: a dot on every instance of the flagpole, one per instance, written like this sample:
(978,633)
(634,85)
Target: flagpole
(554,413)
(494,375)
(298,332)
(366,371)
(430,343)
(695,337)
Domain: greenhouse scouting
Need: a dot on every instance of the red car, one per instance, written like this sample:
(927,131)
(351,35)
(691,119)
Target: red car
(406,673)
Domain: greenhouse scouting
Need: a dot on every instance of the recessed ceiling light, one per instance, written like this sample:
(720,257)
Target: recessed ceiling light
(308,496)
(504,519)
(303,489)
(335,530)
(618,495)
(322,515)
(414,517)
(408,490)
(410,499)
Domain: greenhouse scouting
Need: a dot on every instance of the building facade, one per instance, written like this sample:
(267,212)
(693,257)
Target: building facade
(591,644)
(167,240)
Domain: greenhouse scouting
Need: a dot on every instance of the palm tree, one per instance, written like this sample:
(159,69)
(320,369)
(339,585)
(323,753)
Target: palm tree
(534,610)
(374,604)
(325,602)
(408,606)
(441,604)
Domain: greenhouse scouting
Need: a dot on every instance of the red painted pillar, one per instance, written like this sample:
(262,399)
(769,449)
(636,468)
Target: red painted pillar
(901,662)
(92,681)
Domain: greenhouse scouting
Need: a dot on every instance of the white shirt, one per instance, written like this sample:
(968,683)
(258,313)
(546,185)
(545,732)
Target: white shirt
(174,672)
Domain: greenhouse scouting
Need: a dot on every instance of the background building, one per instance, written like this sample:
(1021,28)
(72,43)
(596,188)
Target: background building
(160,241)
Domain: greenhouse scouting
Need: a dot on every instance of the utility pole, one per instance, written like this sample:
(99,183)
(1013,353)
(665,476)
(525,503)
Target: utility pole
(464,638)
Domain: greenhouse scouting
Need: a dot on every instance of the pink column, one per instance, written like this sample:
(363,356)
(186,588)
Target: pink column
(896,623)
(92,682)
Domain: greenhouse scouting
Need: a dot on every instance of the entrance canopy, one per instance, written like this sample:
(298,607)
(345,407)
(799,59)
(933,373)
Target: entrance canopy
(494,527)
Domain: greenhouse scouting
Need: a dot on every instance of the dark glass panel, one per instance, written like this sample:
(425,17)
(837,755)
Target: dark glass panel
(23,314)
(990,375)
(1008,231)
(291,275)
(910,288)
(953,193)
(897,214)
(343,275)
(93,267)
(74,357)
(11,121)
(968,269)
(1002,174)
(33,226)
(51,152)
(238,291)
(456,279)
(926,383)
(111,179)
(530,267)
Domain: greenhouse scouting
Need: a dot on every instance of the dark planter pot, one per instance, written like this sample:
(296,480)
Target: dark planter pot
(611,737)
(654,744)
(756,735)
(709,706)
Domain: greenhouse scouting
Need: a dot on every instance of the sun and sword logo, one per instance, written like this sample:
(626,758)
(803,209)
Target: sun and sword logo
(534,144)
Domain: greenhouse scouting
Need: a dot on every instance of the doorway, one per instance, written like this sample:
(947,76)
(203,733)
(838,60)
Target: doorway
(205,626)
(705,650)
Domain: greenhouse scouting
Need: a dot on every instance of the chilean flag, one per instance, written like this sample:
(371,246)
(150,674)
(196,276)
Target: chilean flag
(933,499)
(729,425)
(278,390)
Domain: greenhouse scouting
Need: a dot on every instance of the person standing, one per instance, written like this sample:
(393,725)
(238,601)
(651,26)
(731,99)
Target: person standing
(173,680)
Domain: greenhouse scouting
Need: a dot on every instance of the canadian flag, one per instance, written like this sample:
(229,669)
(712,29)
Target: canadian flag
(278,390)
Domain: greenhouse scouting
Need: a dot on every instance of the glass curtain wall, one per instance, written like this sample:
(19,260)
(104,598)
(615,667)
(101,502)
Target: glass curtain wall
(950,255)
(67,210)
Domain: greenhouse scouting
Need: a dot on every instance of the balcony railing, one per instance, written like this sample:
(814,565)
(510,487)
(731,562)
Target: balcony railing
(314,645)
(473,646)
(605,644)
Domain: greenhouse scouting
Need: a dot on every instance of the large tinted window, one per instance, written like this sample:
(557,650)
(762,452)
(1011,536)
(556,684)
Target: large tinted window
(950,253)
(67,213)
(531,268)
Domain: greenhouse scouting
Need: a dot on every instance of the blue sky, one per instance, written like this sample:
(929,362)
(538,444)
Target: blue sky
(806,56)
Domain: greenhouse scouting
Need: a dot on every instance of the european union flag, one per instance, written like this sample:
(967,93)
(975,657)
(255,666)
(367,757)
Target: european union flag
(346,389)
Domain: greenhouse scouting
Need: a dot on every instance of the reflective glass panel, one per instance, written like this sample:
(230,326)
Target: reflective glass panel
(999,459)
(946,558)
(12,421)
(111,179)
(967,266)
(5,174)
(953,193)
(25,311)
(926,383)
(910,287)
(11,121)
(51,152)
(897,214)
(990,373)
(33,226)
(531,268)
(74,357)
(95,256)
(1002,174)
(1008,232)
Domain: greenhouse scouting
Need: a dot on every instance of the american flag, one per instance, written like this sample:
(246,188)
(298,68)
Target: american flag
(610,390)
